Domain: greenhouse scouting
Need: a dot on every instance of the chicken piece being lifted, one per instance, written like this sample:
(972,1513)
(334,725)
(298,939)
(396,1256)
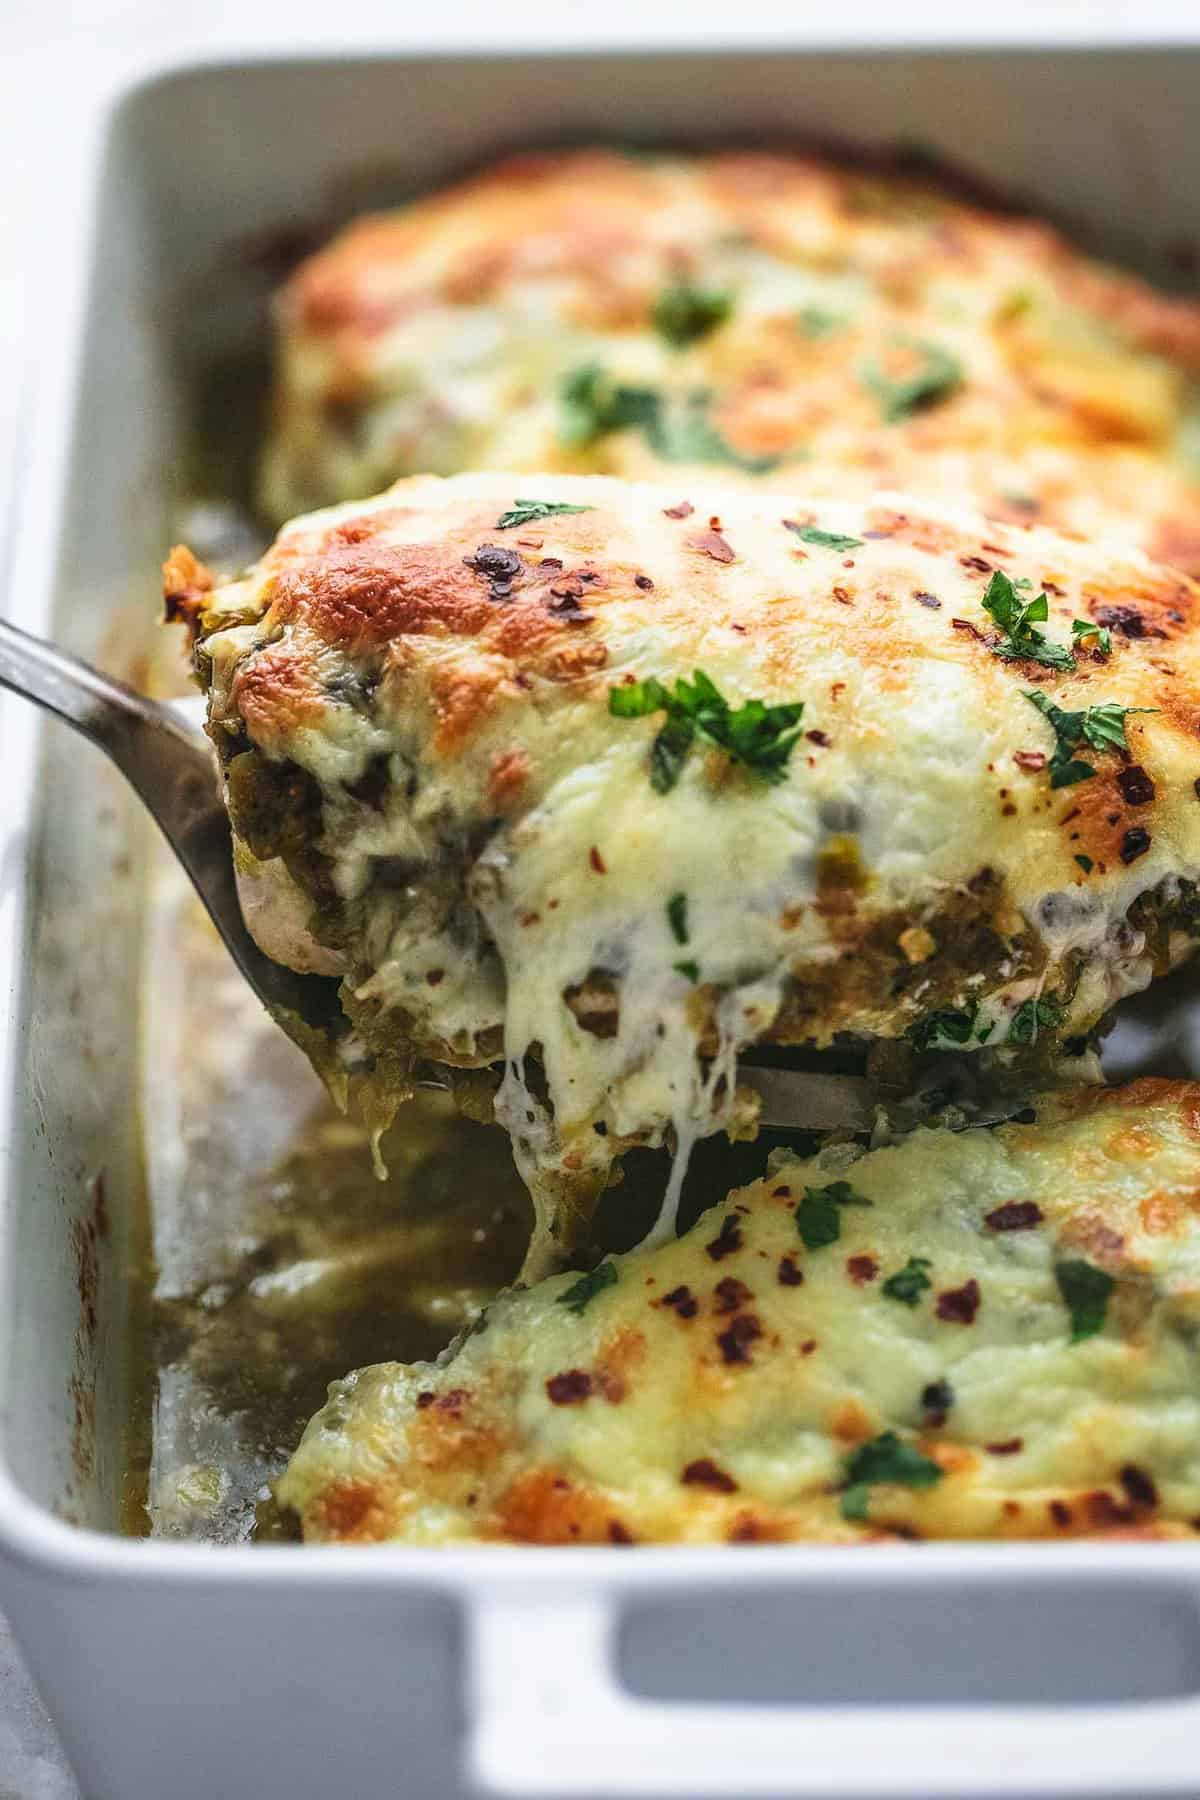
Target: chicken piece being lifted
(609,784)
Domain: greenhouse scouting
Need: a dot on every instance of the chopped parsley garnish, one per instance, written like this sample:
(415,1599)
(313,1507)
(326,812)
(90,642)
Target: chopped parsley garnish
(886,1458)
(1082,629)
(688,968)
(524,512)
(581,1293)
(1029,1019)
(825,540)
(1018,620)
(685,312)
(1085,1290)
(949,1029)
(1100,727)
(758,736)
(592,406)
(818,1216)
(816,322)
(909,1283)
(677,917)
(935,379)
(1085,863)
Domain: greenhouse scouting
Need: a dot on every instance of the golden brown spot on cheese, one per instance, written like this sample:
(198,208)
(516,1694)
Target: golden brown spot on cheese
(850,1422)
(544,1507)
(277,692)
(507,777)
(1161,1214)
(187,584)
(350,1511)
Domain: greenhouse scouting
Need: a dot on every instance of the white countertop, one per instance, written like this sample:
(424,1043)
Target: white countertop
(60,65)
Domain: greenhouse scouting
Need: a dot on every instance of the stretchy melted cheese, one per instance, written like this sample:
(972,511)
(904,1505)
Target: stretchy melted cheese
(1018,1308)
(588,311)
(414,701)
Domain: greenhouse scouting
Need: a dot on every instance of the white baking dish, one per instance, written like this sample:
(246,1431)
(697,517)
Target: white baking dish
(195,1670)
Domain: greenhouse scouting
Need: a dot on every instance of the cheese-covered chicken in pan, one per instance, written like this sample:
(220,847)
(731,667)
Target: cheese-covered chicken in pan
(982,1334)
(749,312)
(613,781)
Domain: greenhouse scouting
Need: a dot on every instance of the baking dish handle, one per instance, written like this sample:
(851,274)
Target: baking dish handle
(549,1716)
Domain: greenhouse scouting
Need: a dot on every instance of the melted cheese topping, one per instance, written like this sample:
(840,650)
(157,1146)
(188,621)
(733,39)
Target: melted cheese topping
(447,335)
(720,1388)
(499,867)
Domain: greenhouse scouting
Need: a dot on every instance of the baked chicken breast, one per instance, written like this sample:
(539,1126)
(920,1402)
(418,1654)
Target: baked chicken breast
(743,312)
(605,785)
(971,1335)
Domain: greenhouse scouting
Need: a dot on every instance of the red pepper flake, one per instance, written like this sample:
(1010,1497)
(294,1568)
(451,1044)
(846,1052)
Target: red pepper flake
(531,543)
(929,600)
(1126,620)
(976,562)
(958,1306)
(424,1399)
(682,1301)
(1009,1447)
(1137,788)
(435,976)
(569,1388)
(1014,1215)
(966,625)
(644,582)
(711,543)
(551,562)
(618,1534)
(453,1400)
(843,595)
(789,1274)
(818,737)
(705,1473)
(735,1343)
(781,1193)
(1052,587)
(730,1293)
(808,1346)
(597,861)
(728,1239)
(1138,1485)
(684,510)
(1104,1512)
(1033,760)
(1061,1513)
(1135,843)
(861,1269)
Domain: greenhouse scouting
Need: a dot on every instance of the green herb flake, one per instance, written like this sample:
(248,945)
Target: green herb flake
(689,969)
(1085,1290)
(909,1283)
(1030,1018)
(1018,621)
(758,736)
(592,406)
(816,322)
(1082,629)
(887,1458)
(1085,863)
(1100,727)
(825,540)
(579,1296)
(818,1216)
(525,512)
(948,1029)
(685,312)
(677,917)
(937,377)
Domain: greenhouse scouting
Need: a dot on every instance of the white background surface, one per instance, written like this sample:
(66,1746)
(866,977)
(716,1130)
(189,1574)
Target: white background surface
(59,64)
